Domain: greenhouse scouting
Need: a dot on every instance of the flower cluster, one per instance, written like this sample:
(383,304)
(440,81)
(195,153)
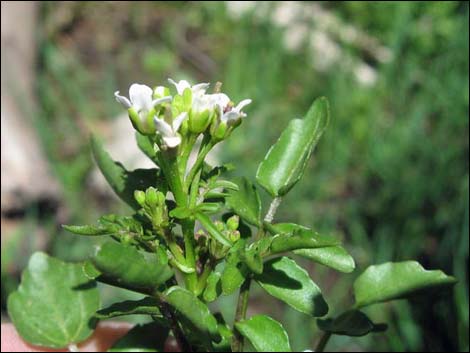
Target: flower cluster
(189,111)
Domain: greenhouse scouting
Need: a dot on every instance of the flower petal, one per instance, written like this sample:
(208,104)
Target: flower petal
(123,100)
(220,99)
(172,141)
(242,104)
(161,100)
(179,120)
(163,127)
(141,97)
(200,88)
(180,86)
(230,117)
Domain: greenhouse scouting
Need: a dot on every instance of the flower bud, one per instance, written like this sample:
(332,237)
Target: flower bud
(139,197)
(233,222)
(220,226)
(234,235)
(151,196)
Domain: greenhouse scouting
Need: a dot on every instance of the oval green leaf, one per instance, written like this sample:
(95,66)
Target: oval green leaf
(145,306)
(397,280)
(130,267)
(125,182)
(287,281)
(265,334)
(301,239)
(245,201)
(285,162)
(335,257)
(54,303)
(193,310)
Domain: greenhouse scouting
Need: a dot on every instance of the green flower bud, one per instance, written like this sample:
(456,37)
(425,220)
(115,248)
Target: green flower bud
(233,222)
(151,196)
(234,235)
(220,226)
(139,197)
(199,121)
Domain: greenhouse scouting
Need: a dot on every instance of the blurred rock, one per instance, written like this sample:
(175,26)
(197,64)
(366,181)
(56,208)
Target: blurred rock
(24,169)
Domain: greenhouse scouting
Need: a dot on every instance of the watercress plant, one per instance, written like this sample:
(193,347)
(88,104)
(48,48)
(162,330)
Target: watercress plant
(195,235)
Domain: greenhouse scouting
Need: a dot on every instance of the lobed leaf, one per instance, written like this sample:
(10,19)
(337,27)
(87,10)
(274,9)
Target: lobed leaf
(54,303)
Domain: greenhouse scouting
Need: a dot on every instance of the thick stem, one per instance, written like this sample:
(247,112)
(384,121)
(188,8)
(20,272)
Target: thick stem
(323,341)
(237,340)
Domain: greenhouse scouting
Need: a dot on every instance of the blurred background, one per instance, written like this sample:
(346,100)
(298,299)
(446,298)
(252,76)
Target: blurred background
(390,176)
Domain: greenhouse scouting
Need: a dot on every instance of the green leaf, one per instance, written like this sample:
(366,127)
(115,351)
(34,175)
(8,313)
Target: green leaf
(285,162)
(351,323)
(130,267)
(235,270)
(145,306)
(226,334)
(265,334)
(181,212)
(335,257)
(150,337)
(125,182)
(146,145)
(287,281)
(193,310)
(396,280)
(91,230)
(233,276)
(212,229)
(90,271)
(301,239)
(252,258)
(54,303)
(245,202)
(213,287)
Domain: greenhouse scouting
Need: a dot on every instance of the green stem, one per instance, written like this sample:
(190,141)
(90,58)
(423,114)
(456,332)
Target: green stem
(242,305)
(194,190)
(237,341)
(188,235)
(323,341)
(206,146)
(208,268)
(185,153)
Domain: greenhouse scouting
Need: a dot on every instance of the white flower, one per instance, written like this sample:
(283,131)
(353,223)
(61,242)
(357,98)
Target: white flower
(140,99)
(197,90)
(169,133)
(228,113)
